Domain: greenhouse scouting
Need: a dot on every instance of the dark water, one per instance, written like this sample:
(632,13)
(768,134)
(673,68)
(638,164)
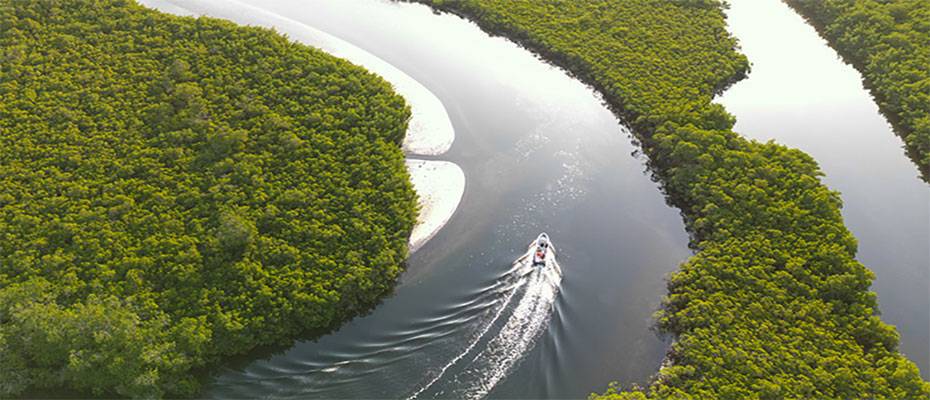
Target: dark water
(540,153)
(802,95)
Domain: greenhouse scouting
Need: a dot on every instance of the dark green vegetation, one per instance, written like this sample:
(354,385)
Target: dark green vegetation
(889,43)
(174,190)
(773,304)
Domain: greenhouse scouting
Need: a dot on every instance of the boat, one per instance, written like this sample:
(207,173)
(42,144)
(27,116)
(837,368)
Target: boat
(541,249)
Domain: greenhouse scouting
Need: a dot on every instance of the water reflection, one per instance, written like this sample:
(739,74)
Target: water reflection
(540,152)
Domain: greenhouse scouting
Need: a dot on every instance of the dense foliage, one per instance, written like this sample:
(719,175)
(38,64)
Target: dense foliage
(174,190)
(773,304)
(889,42)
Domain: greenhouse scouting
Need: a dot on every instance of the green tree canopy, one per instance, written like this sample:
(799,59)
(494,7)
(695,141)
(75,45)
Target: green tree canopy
(175,190)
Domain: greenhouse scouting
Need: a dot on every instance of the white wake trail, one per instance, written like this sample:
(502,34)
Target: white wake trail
(516,338)
(526,323)
(476,339)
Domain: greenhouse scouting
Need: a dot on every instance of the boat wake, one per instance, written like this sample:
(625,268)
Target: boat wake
(490,357)
(477,340)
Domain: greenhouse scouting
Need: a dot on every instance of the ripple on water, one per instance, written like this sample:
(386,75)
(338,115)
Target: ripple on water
(479,339)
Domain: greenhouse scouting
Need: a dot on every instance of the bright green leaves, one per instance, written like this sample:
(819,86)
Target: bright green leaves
(235,234)
(224,142)
(93,344)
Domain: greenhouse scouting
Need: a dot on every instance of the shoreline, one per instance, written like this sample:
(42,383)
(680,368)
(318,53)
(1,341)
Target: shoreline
(439,184)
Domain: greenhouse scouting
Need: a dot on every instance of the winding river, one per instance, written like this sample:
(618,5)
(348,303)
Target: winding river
(540,152)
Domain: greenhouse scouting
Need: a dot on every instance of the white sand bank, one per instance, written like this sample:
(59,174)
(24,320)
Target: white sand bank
(430,131)
(439,184)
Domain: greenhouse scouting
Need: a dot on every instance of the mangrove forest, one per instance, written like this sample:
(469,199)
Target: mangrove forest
(175,190)
(195,205)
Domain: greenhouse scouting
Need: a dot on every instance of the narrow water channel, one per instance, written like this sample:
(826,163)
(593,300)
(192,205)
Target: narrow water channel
(540,153)
(802,95)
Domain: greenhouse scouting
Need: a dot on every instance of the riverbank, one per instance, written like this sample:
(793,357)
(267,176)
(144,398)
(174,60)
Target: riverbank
(888,43)
(430,131)
(439,184)
(772,249)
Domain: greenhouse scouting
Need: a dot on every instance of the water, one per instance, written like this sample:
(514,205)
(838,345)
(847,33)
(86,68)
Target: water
(480,370)
(802,95)
(540,153)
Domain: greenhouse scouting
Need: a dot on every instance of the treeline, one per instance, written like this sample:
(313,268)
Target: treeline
(176,190)
(773,304)
(889,43)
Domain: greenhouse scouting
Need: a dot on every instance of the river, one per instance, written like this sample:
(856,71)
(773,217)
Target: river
(540,152)
(802,95)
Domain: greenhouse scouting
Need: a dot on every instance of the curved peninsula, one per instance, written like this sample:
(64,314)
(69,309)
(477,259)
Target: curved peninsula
(439,184)
(178,190)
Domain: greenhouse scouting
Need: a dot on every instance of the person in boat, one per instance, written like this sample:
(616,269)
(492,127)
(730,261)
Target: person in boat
(541,249)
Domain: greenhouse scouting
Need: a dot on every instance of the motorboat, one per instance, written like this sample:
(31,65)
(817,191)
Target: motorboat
(542,250)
